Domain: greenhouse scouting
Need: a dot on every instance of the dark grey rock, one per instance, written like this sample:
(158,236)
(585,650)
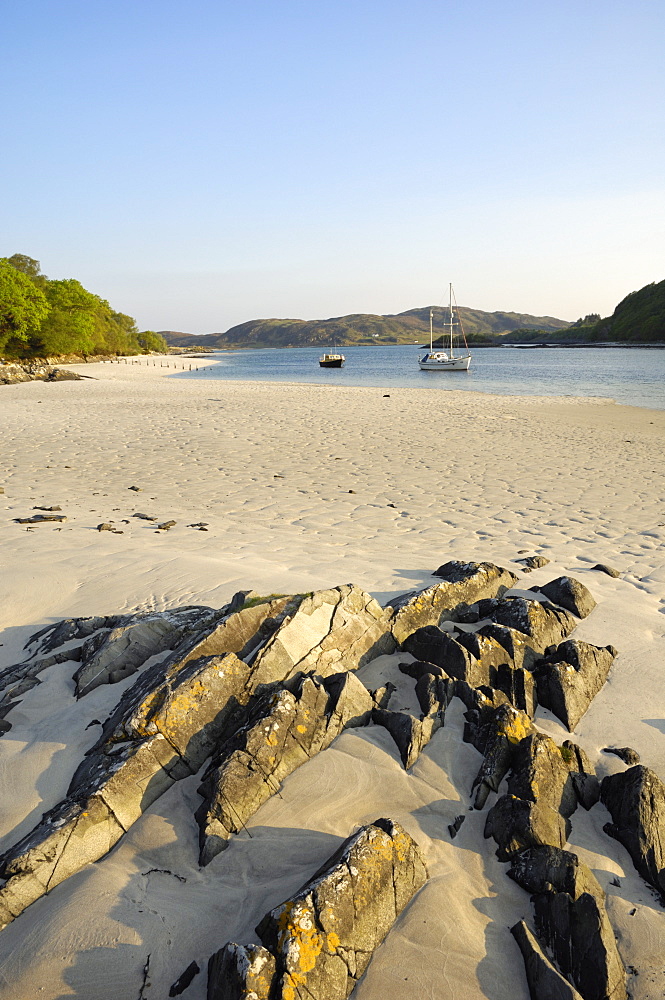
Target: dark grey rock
(542,622)
(570,594)
(454,827)
(550,869)
(241,972)
(464,583)
(323,937)
(627,754)
(603,568)
(505,728)
(40,518)
(570,676)
(432,645)
(410,734)
(184,980)
(579,936)
(533,562)
(636,801)
(545,981)
(177,712)
(286,731)
(434,693)
(542,795)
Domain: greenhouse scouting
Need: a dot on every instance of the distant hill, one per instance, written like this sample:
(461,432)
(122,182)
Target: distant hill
(365,328)
(638,319)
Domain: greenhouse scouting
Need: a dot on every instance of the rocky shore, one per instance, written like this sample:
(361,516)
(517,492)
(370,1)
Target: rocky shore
(242,697)
(188,776)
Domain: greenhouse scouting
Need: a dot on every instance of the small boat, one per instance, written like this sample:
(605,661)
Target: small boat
(440,361)
(332,360)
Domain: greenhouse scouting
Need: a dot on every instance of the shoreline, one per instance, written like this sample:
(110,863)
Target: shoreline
(303,487)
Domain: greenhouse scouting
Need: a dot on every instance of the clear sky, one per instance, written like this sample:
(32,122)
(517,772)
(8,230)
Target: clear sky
(207,163)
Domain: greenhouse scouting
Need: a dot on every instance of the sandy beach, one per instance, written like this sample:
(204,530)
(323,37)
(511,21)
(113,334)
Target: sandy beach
(302,488)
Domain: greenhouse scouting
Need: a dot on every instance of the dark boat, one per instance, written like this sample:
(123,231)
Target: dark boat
(331,360)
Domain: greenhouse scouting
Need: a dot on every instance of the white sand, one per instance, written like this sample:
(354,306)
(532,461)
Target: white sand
(470,476)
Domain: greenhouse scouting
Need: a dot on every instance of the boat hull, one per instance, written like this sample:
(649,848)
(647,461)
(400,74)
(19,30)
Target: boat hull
(337,363)
(449,365)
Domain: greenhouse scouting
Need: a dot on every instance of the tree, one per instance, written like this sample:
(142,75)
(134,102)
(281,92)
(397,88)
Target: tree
(23,307)
(69,327)
(151,341)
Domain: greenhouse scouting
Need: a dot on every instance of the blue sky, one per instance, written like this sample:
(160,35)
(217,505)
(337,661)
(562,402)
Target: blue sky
(207,164)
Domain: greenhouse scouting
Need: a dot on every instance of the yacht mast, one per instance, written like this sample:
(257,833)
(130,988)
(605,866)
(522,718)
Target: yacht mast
(451,319)
(430,329)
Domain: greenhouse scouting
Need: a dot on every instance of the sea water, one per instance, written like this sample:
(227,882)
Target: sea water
(633,376)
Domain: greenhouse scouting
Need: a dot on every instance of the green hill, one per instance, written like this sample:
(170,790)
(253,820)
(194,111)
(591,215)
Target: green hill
(408,327)
(638,319)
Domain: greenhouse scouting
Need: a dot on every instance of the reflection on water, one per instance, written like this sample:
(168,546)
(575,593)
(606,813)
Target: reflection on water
(634,376)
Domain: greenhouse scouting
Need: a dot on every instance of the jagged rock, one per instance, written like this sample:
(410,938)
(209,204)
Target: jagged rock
(542,795)
(40,518)
(382,695)
(603,568)
(331,630)
(533,562)
(144,517)
(544,624)
(289,729)
(505,673)
(549,869)
(167,525)
(504,729)
(464,583)
(545,981)
(241,972)
(432,645)
(418,669)
(636,801)
(433,693)
(570,594)
(481,703)
(411,735)
(570,676)
(627,754)
(322,939)
(184,980)
(105,526)
(183,707)
(111,656)
(454,827)
(521,649)
(578,934)
(12,373)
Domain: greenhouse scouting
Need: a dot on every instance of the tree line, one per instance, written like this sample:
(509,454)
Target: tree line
(40,317)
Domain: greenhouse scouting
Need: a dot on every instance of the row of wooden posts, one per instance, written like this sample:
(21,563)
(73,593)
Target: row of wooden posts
(148,362)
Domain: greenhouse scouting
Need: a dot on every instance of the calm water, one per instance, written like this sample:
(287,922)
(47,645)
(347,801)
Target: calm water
(635,377)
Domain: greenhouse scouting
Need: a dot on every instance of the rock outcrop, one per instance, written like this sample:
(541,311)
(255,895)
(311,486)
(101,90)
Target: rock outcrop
(322,939)
(570,677)
(545,785)
(545,981)
(12,373)
(571,922)
(286,731)
(636,801)
(176,713)
(543,623)
(476,658)
(570,594)
(463,584)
